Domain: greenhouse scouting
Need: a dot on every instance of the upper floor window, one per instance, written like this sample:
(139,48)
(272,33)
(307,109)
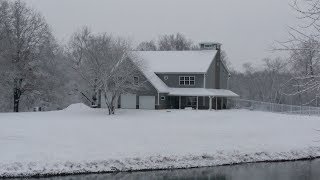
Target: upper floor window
(187,80)
(136,80)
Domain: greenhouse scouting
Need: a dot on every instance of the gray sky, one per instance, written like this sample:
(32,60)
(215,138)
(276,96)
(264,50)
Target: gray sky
(246,28)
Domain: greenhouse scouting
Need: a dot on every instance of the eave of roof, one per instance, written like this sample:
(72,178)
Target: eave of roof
(180,73)
(201,92)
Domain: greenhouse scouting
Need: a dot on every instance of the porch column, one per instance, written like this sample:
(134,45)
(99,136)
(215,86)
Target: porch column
(227,102)
(222,103)
(216,103)
(197,102)
(210,103)
(179,102)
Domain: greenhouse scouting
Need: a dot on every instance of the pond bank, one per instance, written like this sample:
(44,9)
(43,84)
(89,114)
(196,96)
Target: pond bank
(86,169)
(283,170)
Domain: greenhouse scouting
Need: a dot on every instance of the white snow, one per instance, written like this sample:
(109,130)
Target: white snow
(178,61)
(80,107)
(201,92)
(157,83)
(69,141)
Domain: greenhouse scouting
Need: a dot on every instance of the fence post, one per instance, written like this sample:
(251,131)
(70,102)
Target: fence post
(309,111)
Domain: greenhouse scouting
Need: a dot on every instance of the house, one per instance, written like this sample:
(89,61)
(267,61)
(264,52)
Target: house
(181,79)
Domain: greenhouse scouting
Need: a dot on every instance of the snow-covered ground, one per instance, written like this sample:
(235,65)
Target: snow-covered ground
(80,140)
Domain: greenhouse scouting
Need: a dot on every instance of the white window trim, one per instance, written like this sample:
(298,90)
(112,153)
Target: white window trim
(184,80)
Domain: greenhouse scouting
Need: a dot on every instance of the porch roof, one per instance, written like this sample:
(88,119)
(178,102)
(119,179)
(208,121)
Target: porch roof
(201,92)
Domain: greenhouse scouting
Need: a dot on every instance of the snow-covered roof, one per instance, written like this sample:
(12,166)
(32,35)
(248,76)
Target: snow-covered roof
(157,83)
(154,62)
(178,61)
(201,92)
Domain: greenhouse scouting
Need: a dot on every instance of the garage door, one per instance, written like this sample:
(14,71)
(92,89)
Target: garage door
(147,102)
(128,101)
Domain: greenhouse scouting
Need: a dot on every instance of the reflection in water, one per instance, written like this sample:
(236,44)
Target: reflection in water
(301,170)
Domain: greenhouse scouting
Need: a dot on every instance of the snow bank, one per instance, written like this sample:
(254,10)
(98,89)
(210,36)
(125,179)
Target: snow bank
(65,142)
(149,163)
(79,107)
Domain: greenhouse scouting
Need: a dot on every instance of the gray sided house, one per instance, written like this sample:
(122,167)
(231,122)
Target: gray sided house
(181,79)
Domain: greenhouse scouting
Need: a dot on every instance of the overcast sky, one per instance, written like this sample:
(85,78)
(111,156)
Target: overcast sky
(246,28)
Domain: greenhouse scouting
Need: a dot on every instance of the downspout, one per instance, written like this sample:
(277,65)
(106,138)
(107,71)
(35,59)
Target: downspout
(158,100)
(204,80)
(204,86)
(229,76)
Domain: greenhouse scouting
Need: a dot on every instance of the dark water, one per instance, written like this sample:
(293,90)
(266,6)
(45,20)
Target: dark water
(300,170)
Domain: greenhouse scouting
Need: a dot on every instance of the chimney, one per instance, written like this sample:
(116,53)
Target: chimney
(210,46)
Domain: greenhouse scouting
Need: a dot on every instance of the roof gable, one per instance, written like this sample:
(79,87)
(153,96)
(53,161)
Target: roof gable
(177,61)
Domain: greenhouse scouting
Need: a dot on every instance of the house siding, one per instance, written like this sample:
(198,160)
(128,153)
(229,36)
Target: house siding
(224,75)
(210,76)
(163,104)
(173,80)
(217,75)
(146,89)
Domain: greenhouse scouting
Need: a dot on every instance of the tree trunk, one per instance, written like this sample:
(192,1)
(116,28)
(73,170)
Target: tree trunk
(16,105)
(16,99)
(111,110)
(16,95)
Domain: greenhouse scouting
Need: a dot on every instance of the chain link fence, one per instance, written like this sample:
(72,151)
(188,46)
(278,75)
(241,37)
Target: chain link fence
(273,107)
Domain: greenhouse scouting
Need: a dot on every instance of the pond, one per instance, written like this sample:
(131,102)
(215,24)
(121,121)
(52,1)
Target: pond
(298,170)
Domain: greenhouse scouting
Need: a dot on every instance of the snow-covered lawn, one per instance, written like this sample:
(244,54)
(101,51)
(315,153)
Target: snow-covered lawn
(80,139)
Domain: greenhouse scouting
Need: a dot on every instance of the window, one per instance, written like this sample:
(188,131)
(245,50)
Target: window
(163,98)
(187,80)
(166,77)
(136,80)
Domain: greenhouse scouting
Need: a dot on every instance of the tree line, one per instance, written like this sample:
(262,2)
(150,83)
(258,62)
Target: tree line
(36,70)
(32,65)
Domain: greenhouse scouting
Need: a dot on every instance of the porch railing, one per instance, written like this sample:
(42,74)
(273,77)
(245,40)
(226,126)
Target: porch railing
(273,107)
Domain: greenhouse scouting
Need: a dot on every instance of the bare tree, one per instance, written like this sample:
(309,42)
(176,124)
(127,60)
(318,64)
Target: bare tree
(305,58)
(147,46)
(106,64)
(275,74)
(303,47)
(225,59)
(304,64)
(174,42)
(25,33)
(309,13)
(261,84)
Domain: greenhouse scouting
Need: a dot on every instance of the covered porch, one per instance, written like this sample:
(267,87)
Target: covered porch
(199,98)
